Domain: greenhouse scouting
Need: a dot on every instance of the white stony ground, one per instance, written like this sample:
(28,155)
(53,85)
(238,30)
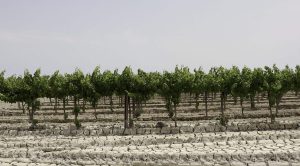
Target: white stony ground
(50,145)
(224,148)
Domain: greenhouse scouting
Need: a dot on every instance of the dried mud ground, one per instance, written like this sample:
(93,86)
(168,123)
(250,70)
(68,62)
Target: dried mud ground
(245,141)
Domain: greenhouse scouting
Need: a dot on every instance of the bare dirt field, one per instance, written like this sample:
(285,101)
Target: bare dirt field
(198,140)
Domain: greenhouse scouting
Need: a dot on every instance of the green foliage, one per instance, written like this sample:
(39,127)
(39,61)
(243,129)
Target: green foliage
(141,86)
(87,87)
(76,110)
(160,125)
(57,86)
(145,85)
(287,80)
(199,85)
(223,120)
(36,104)
(204,82)
(66,115)
(131,123)
(77,123)
(242,83)
(15,90)
(108,83)
(53,85)
(169,107)
(272,84)
(96,88)
(3,87)
(36,84)
(74,81)
(125,81)
(257,81)
(35,122)
(35,87)
(137,113)
(172,85)
(296,79)
(226,78)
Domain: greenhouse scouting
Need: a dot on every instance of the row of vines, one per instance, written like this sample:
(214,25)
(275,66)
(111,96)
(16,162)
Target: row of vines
(135,88)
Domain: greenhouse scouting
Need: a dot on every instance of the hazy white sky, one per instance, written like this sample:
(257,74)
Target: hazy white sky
(152,35)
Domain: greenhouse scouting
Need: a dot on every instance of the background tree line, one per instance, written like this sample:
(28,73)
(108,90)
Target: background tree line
(134,89)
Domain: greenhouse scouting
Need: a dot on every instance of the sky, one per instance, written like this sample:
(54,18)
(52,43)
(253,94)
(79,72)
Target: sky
(153,35)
